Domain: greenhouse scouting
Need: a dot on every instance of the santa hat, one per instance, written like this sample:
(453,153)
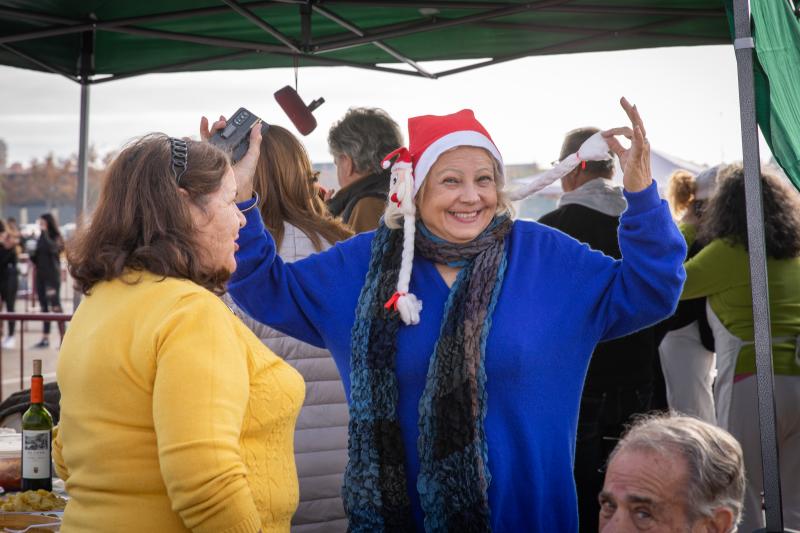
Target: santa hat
(429,136)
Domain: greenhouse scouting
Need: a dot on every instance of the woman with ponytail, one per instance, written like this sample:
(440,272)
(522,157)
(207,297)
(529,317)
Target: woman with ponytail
(462,336)
(687,351)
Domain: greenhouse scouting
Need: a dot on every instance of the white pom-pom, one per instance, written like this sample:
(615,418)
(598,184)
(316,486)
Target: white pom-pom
(409,308)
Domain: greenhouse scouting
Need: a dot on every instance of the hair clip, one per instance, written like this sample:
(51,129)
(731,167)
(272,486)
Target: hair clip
(180,157)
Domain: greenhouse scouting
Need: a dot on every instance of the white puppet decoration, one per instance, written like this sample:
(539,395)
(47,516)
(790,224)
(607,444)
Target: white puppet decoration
(401,204)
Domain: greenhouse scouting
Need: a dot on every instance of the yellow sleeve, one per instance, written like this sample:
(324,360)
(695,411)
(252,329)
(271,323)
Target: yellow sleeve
(200,396)
(705,273)
(58,458)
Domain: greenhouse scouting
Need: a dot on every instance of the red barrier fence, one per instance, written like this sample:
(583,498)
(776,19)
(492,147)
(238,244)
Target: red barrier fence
(60,318)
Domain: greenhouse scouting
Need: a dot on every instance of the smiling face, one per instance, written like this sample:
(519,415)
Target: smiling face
(644,491)
(459,196)
(218,222)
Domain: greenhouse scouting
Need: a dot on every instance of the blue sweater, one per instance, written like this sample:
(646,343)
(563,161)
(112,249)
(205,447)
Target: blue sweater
(559,298)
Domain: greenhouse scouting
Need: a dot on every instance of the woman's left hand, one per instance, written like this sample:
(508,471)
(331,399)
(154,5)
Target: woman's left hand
(635,161)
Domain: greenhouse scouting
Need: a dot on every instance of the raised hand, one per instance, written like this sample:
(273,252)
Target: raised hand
(205,132)
(245,168)
(635,161)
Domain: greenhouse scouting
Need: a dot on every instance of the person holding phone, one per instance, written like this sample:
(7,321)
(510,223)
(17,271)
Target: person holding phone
(174,416)
(462,336)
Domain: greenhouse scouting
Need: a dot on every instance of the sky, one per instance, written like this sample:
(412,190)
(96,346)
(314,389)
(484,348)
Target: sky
(687,96)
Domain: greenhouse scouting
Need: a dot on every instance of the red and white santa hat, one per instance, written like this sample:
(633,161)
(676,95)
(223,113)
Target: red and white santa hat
(429,137)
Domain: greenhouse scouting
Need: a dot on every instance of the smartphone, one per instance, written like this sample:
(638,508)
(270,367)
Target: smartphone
(234,138)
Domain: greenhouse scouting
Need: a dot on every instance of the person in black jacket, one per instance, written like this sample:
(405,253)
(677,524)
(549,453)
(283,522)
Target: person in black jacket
(358,144)
(8,276)
(619,382)
(47,260)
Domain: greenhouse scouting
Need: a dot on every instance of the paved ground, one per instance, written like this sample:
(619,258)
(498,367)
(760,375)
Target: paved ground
(28,334)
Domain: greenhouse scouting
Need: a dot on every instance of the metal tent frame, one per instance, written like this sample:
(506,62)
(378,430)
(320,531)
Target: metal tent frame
(483,14)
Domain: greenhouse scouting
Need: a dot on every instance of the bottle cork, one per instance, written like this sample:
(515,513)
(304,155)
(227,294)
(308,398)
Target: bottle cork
(37,367)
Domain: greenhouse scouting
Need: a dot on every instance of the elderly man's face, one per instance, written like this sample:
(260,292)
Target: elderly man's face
(644,491)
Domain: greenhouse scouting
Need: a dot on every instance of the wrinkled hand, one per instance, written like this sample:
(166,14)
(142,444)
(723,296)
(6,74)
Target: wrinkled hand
(635,161)
(245,168)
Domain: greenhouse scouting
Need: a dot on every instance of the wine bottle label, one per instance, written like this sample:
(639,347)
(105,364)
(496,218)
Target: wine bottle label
(36,454)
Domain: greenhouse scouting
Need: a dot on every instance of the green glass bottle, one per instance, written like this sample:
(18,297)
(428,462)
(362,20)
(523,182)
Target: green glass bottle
(37,435)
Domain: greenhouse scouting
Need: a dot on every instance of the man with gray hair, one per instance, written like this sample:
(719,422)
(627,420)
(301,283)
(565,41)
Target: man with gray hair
(673,473)
(358,144)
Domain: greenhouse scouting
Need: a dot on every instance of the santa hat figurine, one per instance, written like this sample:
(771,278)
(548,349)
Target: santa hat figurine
(429,136)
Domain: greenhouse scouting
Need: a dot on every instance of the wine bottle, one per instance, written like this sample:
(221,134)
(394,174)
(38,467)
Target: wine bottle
(37,434)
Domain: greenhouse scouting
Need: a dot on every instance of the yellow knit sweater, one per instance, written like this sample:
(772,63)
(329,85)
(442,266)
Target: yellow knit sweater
(174,416)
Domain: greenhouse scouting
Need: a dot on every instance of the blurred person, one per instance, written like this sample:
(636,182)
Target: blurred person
(358,143)
(673,473)
(9,281)
(15,235)
(687,351)
(463,411)
(619,383)
(174,416)
(47,260)
(299,223)
(721,273)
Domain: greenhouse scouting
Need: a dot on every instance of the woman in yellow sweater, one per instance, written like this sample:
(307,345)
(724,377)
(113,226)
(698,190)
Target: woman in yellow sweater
(174,416)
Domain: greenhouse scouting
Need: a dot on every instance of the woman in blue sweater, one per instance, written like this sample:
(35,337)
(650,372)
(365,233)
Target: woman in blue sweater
(463,413)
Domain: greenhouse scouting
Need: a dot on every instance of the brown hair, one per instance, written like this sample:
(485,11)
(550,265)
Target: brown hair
(285,182)
(681,189)
(726,218)
(142,222)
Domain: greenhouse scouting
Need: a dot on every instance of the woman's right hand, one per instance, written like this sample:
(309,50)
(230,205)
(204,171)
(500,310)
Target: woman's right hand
(244,170)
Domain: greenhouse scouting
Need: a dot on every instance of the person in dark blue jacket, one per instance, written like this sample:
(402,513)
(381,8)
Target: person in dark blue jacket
(463,337)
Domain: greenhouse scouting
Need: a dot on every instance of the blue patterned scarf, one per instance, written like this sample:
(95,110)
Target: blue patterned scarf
(454,475)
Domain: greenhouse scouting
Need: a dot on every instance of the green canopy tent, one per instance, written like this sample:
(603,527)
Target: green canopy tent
(93,41)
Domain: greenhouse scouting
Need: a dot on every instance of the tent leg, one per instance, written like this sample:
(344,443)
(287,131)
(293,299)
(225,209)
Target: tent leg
(83,155)
(744,48)
(86,69)
(83,169)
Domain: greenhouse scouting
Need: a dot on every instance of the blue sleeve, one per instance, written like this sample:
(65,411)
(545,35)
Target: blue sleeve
(313,299)
(644,286)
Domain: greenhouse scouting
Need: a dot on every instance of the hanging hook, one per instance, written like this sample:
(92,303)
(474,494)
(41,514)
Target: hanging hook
(296,61)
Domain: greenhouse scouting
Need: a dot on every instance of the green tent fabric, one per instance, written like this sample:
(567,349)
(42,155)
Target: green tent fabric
(133,37)
(777,73)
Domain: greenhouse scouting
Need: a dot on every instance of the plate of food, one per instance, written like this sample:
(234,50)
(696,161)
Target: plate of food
(31,511)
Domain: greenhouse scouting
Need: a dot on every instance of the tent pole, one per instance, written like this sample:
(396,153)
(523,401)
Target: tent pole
(83,153)
(744,48)
(86,69)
